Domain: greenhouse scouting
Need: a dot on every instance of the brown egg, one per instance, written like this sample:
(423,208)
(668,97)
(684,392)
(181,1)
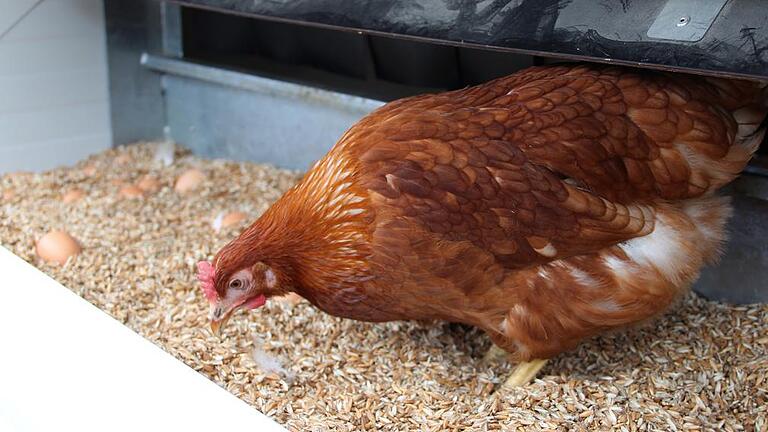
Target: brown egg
(57,246)
(73,195)
(89,170)
(233,218)
(148,184)
(189,180)
(8,195)
(130,192)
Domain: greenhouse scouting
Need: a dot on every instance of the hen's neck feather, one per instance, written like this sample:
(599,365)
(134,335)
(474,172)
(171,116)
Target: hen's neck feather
(318,232)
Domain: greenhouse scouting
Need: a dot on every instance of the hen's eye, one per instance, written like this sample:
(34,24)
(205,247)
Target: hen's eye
(236,284)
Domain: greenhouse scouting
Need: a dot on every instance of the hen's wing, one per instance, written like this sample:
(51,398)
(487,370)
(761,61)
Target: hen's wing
(626,135)
(551,162)
(490,193)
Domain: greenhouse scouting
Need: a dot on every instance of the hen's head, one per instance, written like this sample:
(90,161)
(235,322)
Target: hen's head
(235,283)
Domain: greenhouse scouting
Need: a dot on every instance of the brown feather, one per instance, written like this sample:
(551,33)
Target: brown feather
(543,207)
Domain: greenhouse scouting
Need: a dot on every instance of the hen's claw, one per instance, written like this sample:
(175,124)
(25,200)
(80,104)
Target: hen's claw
(524,373)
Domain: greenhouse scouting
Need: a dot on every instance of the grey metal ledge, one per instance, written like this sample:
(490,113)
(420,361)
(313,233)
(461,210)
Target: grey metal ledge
(245,81)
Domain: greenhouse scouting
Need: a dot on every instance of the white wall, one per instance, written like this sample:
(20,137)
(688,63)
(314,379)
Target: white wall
(54,100)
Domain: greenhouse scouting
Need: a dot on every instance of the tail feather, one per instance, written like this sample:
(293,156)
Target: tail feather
(710,216)
(751,122)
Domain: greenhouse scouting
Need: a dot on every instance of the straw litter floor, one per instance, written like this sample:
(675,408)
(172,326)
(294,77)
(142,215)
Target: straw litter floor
(701,367)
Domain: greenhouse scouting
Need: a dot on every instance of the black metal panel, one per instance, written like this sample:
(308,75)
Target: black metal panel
(371,66)
(598,30)
(741,274)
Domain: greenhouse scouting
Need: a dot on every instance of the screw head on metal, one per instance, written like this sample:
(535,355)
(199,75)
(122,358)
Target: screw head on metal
(683,21)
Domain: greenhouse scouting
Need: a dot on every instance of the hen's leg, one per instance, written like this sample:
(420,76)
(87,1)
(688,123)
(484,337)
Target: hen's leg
(524,373)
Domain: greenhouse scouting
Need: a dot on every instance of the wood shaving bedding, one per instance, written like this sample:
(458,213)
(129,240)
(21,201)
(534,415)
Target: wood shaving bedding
(703,366)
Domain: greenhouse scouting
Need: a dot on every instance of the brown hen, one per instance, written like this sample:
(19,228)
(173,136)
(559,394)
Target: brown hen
(543,207)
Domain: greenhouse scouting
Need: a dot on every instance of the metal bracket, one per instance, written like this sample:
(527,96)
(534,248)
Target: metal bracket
(685,20)
(171,29)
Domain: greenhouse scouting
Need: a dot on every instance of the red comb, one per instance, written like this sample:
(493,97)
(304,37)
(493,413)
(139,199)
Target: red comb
(205,274)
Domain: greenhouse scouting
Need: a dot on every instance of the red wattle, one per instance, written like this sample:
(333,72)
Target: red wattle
(256,302)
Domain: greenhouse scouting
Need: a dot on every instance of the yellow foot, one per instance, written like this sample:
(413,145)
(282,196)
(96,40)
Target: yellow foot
(494,353)
(524,373)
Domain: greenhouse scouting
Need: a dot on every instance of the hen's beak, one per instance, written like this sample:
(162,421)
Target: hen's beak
(216,325)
